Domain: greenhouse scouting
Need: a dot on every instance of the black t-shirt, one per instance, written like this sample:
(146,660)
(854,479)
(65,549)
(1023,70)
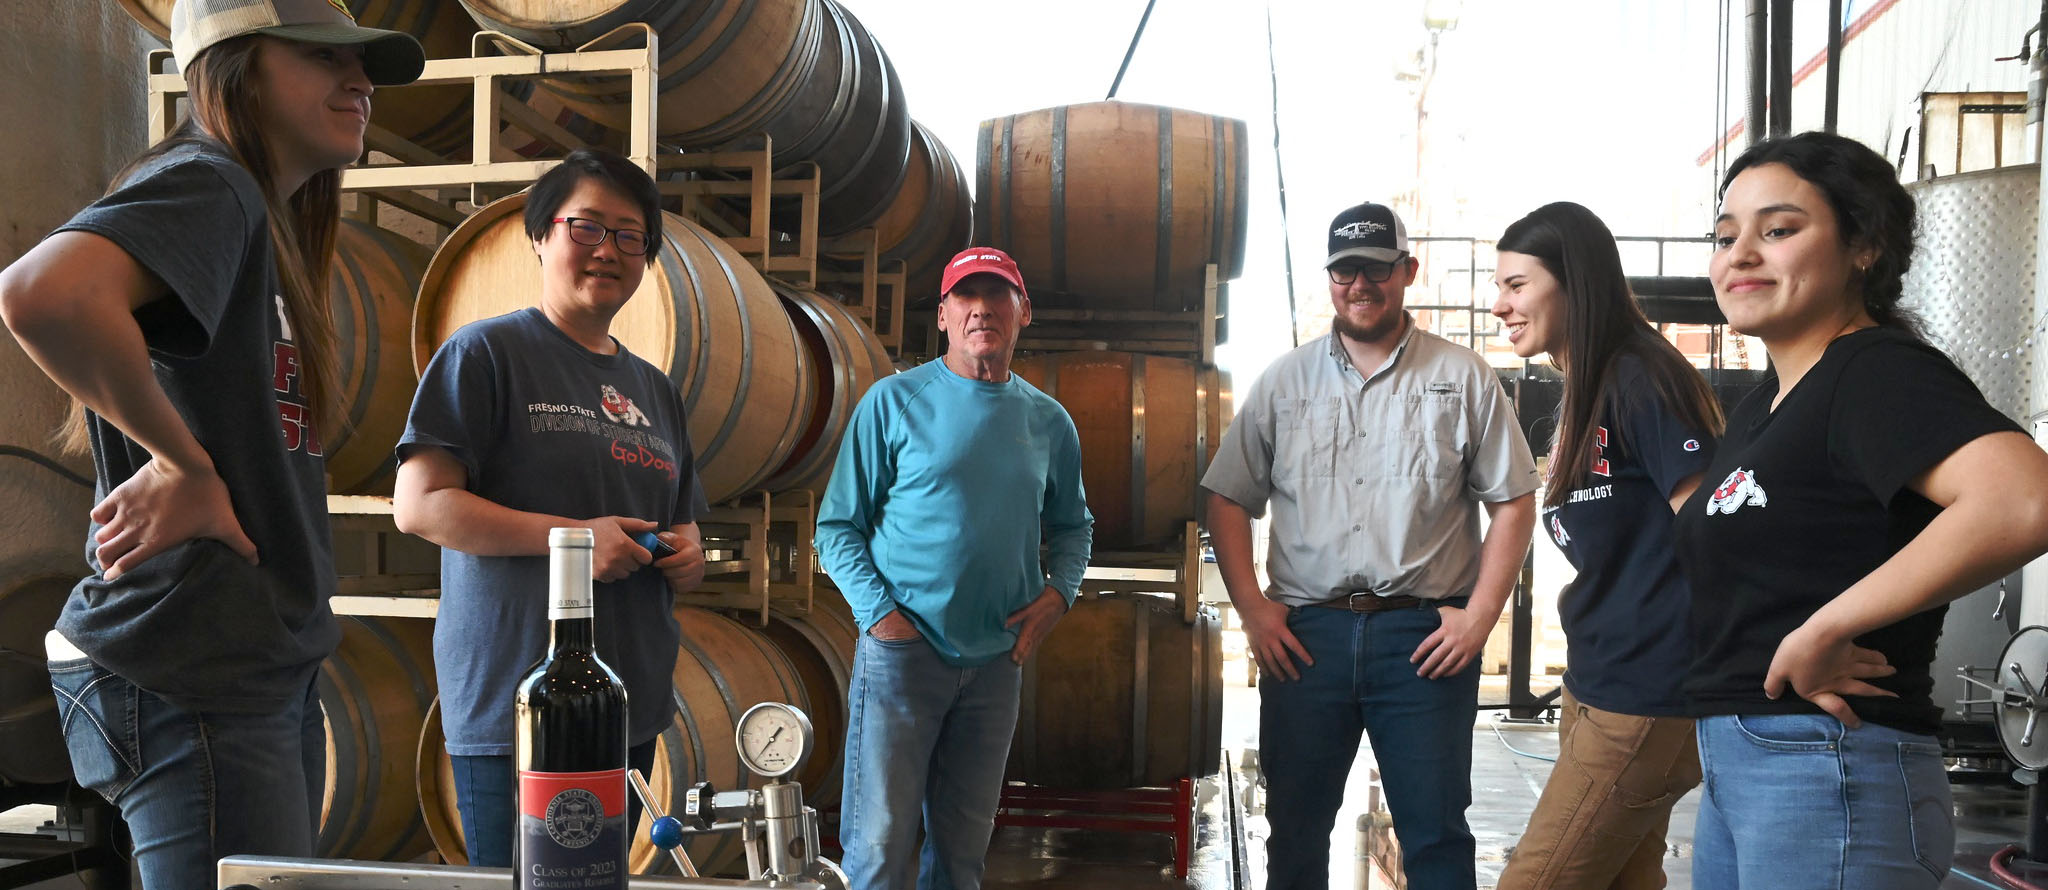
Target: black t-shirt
(1625,614)
(1802,502)
(196,624)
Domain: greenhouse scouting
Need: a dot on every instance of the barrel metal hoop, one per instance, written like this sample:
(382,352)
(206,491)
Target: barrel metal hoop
(1057,214)
(1162,256)
(373,345)
(712,53)
(1138,424)
(698,323)
(984,164)
(1206,384)
(1198,685)
(1235,262)
(933,214)
(746,371)
(1141,685)
(1007,194)
(350,688)
(1216,193)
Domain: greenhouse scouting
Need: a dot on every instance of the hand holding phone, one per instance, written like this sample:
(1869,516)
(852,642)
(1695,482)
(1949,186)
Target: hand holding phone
(655,545)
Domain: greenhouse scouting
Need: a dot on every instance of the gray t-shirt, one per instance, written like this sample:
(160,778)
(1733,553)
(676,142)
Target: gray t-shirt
(1374,482)
(545,426)
(197,625)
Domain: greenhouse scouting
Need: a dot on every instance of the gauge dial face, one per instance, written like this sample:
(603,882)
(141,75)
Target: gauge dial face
(774,738)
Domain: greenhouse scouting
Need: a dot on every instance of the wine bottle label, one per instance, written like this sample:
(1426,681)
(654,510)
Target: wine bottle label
(572,830)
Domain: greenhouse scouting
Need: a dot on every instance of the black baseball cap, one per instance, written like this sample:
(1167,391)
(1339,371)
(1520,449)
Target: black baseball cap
(1367,232)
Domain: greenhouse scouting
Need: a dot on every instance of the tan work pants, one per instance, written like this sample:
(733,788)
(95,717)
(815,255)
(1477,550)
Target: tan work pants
(1600,822)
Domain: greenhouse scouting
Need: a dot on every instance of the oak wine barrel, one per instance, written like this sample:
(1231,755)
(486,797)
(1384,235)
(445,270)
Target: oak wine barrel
(820,645)
(374,277)
(1114,205)
(1148,424)
(1122,694)
(845,359)
(374,694)
(929,218)
(727,68)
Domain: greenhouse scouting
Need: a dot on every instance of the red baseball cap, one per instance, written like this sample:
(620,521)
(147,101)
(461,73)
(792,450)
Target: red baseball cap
(975,260)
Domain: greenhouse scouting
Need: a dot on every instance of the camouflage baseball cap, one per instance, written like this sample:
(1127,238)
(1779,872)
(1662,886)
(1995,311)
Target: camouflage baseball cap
(389,57)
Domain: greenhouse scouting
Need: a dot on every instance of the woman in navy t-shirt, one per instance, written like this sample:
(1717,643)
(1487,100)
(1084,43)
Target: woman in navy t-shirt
(1635,429)
(1857,492)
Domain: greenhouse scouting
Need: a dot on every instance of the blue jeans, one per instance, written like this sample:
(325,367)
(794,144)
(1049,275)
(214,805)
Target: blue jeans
(926,743)
(1421,732)
(484,798)
(1800,802)
(193,786)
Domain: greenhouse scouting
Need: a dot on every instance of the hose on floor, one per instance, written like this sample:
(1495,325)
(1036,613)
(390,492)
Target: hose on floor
(2001,870)
(1504,743)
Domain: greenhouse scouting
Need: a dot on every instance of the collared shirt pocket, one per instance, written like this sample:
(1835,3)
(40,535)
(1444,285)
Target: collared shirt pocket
(1429,437)
(1306,432)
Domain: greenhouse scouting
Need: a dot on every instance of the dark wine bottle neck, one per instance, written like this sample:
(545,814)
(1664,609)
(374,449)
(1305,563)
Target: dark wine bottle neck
(572,634)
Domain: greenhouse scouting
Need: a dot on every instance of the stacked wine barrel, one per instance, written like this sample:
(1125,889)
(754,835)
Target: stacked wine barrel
(1116,211)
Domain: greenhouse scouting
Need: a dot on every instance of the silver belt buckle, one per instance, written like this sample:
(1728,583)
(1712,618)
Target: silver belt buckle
(1351,602)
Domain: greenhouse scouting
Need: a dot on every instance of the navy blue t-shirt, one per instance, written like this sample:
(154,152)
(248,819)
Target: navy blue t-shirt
(545,426)
(1625,614)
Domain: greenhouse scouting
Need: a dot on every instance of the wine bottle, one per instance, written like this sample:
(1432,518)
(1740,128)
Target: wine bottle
(569,742)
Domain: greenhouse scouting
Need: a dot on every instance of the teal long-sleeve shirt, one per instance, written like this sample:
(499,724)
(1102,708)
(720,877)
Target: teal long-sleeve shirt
(943,488)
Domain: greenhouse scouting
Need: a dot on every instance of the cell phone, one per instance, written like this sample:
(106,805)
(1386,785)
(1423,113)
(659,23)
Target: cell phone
(655,545)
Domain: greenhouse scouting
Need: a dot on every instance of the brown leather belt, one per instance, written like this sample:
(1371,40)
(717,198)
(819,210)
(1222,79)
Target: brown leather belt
(1367,601)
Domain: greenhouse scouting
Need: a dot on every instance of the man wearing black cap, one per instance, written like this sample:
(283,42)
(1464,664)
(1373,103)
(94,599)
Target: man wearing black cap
(949,476)
(1375,447)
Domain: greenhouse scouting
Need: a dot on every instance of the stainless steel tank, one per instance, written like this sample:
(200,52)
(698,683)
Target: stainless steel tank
(1972,284)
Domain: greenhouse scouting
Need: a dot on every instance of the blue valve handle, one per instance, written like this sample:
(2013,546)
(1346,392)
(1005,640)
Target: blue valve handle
(667,831)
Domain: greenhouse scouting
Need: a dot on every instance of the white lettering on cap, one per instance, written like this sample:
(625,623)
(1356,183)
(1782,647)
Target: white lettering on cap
(1360,229)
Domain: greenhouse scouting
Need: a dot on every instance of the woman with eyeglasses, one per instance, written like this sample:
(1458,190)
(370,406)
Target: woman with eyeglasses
(1635,430)
(1860,488)
(540,419)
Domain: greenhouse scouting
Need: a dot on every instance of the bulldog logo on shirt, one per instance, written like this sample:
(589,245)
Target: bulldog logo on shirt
(621,409)
(1557,532)
(1737,491)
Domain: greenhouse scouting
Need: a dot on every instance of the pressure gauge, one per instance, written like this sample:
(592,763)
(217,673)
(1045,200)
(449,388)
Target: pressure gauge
(773,738)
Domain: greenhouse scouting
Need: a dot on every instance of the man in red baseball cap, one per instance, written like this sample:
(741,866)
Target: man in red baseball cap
(949,478)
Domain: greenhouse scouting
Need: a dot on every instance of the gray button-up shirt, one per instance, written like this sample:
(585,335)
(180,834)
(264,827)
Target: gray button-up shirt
(1375,482)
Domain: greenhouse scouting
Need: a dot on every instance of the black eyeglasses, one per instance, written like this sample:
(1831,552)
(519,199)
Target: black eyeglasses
(1345,273)
(591,233)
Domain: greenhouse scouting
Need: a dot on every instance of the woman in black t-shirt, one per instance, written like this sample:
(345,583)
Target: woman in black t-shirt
(1855,495)
(1635,429)
(187,311)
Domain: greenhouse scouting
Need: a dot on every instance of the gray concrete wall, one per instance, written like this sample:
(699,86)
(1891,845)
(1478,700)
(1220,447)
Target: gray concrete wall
(71,113)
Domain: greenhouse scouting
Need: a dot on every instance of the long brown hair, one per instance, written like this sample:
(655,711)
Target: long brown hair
(1602,323)
(223,101)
